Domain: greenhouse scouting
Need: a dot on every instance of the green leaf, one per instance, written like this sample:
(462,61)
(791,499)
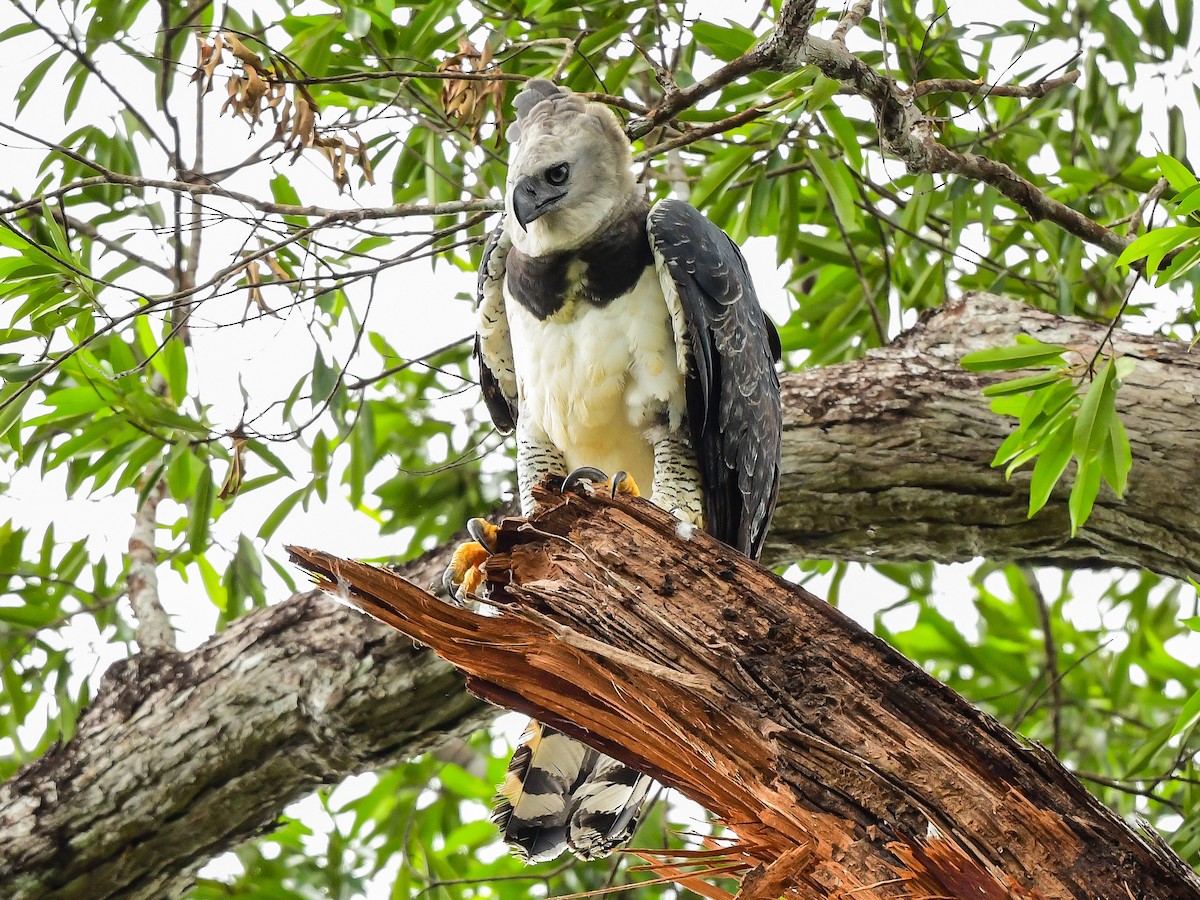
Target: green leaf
(27,618)
(1023,355)
(272,522)
(177,369)
(1083,492)
(1188,201)
(1116,458)
(358,21)
(201,512)
(11,405)
(1096,413)
(1052,462)
(726,42)
(1154,245)
(1022,385)
(1179,176)
(838,187)
(1188,715)
(33,80)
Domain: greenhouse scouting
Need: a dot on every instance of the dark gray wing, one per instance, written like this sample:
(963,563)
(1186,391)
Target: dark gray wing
(734,413)
(493,345)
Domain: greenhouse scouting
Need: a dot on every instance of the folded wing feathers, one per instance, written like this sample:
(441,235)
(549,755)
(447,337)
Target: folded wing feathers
(733,390)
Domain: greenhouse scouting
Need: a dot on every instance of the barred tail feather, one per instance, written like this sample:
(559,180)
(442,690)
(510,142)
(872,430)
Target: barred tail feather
(606,808)
(559,794)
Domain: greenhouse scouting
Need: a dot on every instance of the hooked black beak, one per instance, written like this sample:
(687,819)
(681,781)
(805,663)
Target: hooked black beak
(533,197)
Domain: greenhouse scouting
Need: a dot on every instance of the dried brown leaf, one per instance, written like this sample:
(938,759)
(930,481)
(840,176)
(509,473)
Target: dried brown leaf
(209,57)
(364,161)
(233,478)
(276,269)
(244,54)
(304,121)
(254,293)
(252,94)
(234,100)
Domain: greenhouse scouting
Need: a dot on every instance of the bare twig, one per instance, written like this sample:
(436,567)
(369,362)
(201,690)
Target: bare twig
(968,86)
(1152,196)
(868,293)
(1052,675)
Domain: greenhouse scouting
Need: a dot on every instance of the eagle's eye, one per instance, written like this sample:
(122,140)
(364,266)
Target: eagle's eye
(558,174)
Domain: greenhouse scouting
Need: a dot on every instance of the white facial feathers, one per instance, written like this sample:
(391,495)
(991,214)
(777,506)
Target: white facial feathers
(572,163)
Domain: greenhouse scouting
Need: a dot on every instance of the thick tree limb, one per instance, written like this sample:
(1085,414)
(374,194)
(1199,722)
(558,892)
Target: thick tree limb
(844,768)
(885,458)
(183,756)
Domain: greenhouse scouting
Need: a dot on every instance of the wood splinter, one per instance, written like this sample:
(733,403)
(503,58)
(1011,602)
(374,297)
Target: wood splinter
(844,769)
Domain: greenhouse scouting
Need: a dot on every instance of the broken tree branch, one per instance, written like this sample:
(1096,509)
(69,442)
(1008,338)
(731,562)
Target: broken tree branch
(885,459)
(816,742)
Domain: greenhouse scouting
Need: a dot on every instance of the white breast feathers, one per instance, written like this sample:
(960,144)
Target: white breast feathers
(594,380)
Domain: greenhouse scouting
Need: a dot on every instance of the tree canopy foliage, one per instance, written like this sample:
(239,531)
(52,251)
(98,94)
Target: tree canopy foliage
(195,186)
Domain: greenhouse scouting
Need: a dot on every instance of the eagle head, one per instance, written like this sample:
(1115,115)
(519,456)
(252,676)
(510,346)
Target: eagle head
(569,171)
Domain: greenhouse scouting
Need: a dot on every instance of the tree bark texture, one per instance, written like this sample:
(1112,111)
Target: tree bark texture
(888,458)
(844,768)
(184,755)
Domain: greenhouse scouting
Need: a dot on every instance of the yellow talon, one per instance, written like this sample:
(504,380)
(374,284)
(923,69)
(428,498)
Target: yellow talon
(464,576)
(623,483)
(620,483)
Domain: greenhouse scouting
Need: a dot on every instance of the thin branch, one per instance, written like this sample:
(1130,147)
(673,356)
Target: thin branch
(1153,196)
(1134,278)
(1051,648)
(359,383)
(972,87)
(868,293)
(88,230)
(1127,787)
(726,124)
(358,214)
(154,631)
(851,18)
(354,77)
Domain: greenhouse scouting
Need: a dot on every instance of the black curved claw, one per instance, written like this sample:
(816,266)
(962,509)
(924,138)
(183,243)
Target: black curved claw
(617,480)
(583,473)
(448,583)
(477,529)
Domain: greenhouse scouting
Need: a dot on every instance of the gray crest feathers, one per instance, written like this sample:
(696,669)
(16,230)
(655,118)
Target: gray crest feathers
(531,98)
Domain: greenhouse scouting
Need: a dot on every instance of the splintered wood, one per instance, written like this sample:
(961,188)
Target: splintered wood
(844,769)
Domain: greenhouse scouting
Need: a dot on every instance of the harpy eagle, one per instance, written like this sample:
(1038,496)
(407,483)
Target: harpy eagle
(619,337)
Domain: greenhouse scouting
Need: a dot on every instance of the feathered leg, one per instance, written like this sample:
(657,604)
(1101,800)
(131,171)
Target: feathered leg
(677,478)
